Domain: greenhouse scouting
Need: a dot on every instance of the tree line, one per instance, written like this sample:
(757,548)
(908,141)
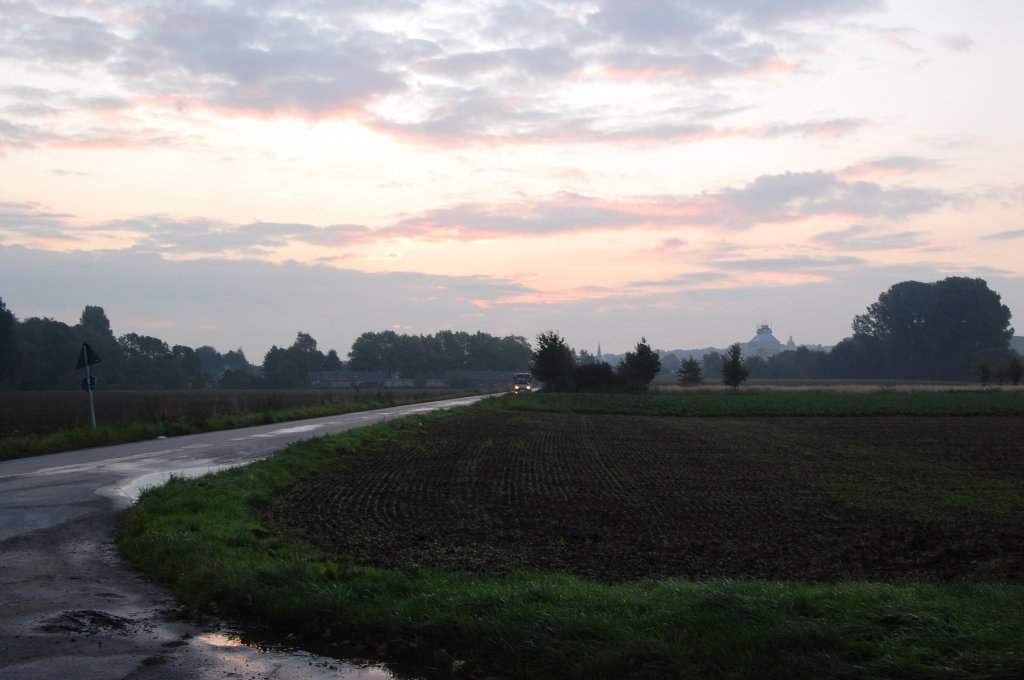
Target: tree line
(40,353)
(954,329)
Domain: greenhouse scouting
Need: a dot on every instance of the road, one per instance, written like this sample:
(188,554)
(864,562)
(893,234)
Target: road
(70,608)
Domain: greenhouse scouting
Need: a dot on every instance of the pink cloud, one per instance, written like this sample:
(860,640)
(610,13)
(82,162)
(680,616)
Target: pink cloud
(889,167)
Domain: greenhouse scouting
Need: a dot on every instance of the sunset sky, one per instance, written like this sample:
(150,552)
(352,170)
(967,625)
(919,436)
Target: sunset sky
(231,173)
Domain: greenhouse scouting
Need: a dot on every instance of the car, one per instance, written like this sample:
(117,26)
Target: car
(522,383)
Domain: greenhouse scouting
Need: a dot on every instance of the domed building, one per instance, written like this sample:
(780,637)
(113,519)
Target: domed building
(764,344)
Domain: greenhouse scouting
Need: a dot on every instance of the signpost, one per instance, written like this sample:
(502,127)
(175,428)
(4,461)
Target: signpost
(86,359)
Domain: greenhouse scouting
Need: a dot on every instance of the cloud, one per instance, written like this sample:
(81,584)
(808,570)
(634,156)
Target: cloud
(796,195)
(817,129)
(768,199)
(890,166)
(959,42)
(31,33)
(860,238)
(231,303)
(559,214)
(437,72)
(789,264)
(1010,235)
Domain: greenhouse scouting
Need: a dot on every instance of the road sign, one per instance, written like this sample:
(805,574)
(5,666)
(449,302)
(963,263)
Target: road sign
(87,357)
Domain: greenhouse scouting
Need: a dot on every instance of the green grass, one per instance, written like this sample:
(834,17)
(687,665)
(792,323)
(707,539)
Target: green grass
(772,402)
(201,538)
(87,437)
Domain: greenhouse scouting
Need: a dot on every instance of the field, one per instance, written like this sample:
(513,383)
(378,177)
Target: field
(622,498)
(40,413)
(871,535)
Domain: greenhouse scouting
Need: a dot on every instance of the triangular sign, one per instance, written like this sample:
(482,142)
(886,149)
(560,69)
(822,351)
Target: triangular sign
(87,357)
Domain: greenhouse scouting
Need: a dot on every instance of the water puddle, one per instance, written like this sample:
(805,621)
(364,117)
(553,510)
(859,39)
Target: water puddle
(260,654)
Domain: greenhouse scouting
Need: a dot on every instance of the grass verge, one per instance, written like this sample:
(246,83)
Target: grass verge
(202,538)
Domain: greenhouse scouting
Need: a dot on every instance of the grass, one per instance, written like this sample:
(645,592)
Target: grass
(72,439)
(776,402)
(202,537)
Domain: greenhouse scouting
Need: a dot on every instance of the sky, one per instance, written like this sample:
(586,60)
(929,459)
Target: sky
(232,173)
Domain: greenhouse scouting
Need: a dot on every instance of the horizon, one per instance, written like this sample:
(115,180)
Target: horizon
(229,175)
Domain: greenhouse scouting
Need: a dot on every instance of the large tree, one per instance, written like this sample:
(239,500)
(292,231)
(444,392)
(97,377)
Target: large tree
(291,367)
(937,330)
(553,362)
(47,351)
(639,367)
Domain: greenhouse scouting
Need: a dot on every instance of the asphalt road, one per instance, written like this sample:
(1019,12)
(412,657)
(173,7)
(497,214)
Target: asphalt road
(70,608)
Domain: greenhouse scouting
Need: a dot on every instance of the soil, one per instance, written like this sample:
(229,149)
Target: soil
(617,498)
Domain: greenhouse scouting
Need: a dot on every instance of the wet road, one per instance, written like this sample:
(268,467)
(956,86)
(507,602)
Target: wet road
(69,607)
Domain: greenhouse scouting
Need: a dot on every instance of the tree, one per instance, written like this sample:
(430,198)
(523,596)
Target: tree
(146,361)
(690,372)
(711,366)
(46,354)
(860,356)
(639,367)
(734,371)
(373,352)
(94,327)
(552,363)
(984,371)
(670,365)
(936,330)
(596,376)
(291,367)
(8,354)
(1014,370)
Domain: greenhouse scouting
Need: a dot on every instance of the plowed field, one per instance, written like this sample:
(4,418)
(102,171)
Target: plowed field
(621,498)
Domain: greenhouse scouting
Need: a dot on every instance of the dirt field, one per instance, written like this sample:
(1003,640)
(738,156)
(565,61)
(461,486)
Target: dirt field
(621,498)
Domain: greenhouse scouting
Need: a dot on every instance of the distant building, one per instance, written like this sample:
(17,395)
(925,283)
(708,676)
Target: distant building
(765,345)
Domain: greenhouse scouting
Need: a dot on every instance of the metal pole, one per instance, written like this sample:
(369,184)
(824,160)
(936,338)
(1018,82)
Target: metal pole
(88,384)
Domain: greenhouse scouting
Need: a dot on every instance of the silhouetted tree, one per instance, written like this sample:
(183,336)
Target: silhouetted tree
(734,371)
(291,367)
(861,356)
(984,371)
(596,376)
(690,372)
(936,330)
(553,362)
(94,327)
(47,351)
(638,368)
(8,350)
(1014,370)
(711,366)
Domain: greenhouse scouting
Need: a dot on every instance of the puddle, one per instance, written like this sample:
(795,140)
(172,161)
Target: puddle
(337,660)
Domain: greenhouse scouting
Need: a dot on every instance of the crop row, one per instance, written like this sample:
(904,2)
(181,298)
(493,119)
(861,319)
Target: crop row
(625,497)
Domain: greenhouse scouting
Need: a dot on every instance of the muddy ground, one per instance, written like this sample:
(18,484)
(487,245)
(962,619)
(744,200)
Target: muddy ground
(70,609)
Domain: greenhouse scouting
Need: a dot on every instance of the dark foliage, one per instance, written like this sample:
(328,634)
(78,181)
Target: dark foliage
(936,331)
(734,371)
